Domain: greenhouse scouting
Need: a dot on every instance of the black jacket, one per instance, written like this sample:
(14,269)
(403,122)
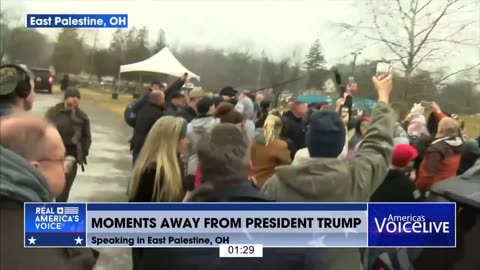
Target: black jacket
(294,129)
(173,89)
(147,182)
(180,112)
(208,259)
(396,187)
(146,118)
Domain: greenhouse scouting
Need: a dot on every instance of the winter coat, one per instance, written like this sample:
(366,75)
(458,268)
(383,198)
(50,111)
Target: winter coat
(249,128)
(400,136)
(147,181)
(208,259)
(396,187)
(195,131)
(303,153)
(245,106)
(66,121)
(173,89)
(265,157)
(333,180)
(295,130)
(180,112)
(421,143)
(20,182)
(471,153)
(146,118)
(440,162)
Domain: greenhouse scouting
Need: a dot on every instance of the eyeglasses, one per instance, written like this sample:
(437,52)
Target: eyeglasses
(67,161)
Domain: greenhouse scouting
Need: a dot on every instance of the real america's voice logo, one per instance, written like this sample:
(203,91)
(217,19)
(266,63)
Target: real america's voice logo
(49,218)
(428,224)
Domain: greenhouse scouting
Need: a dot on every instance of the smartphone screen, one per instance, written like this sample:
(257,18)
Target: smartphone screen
(351,80)
(383,69)
(426,104)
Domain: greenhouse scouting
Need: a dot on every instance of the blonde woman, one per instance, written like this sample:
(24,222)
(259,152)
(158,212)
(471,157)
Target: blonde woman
(268,150)
(158,172)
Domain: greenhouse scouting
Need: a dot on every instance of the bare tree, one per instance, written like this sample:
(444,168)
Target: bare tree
(279,75)
(416,31)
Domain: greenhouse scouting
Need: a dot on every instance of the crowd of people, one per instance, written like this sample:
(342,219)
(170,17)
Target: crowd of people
(192,147)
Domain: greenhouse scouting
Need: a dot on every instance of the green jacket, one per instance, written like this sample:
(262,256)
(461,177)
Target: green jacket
(66,123)
(333,180)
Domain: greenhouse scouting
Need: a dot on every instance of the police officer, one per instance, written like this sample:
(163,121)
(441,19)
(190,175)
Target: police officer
(74,127)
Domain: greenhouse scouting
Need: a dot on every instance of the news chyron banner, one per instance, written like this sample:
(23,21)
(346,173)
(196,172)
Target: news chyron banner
(220,224)
(76,21)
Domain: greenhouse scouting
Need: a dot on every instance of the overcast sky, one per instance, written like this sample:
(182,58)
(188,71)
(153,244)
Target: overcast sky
(278,27)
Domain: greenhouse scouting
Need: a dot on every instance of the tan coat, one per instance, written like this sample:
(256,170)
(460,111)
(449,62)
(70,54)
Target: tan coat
(265,158)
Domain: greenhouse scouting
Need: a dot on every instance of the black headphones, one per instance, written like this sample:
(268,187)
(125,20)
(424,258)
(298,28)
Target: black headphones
(23,87)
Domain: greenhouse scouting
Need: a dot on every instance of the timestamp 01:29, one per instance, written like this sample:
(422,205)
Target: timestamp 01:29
(247,251)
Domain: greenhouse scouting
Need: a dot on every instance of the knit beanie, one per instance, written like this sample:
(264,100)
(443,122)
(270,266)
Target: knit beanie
(326,135)
(72,91)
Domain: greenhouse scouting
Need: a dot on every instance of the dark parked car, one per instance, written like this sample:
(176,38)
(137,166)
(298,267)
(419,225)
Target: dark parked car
(43,79)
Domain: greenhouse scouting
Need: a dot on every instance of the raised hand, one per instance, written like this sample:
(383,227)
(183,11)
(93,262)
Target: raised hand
(383,87)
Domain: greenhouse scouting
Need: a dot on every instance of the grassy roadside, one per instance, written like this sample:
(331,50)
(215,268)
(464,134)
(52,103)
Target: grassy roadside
(102,99)
(472,125)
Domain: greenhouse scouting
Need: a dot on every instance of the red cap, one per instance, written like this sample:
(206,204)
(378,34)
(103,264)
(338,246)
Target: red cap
(403,154)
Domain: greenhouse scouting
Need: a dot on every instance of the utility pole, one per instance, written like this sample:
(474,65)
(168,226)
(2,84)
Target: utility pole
(355,54)
(259,78)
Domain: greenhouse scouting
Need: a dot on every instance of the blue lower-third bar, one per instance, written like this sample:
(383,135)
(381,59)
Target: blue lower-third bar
(412,225)
(55,240)
(344,239)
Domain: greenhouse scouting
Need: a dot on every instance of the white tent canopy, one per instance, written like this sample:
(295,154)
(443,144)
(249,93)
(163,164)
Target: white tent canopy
(161,62)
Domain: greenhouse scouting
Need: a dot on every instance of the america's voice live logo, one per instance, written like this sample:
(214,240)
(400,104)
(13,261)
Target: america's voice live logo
(411,225)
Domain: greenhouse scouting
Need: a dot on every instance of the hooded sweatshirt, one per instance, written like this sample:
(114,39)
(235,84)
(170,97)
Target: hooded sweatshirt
(440,162)
(20,182)
(246,108)
(195,131)
(334,180)
(266,157)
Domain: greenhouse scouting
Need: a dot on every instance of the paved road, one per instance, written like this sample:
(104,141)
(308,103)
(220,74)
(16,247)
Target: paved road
(108,170)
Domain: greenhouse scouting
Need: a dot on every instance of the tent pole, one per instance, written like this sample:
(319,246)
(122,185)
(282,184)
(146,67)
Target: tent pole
(116,85)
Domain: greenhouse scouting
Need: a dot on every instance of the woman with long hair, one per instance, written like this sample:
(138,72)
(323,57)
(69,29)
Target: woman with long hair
(268,150)
(158,172)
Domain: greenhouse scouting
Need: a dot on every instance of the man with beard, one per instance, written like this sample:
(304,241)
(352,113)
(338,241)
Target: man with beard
(73,125)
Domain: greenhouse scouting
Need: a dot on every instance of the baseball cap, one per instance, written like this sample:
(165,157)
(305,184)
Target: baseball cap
(403,154)
(228,91)
(9,78)
(197,92)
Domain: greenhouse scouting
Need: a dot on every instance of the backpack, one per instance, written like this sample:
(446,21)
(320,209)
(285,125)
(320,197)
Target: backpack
(130,113)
